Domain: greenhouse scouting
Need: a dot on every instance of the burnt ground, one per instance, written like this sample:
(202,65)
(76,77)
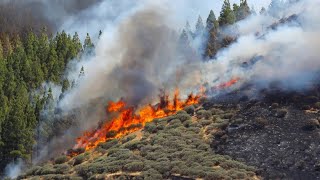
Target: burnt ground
(278,133)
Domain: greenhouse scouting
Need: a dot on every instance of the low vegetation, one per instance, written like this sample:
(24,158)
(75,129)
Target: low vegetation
(175,146)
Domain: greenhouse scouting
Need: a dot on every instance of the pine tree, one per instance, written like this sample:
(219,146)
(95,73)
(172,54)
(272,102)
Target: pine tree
(263,11)
(212,21)
(88,45)
(199,26)
(227,16)
(77,43)
(244,10)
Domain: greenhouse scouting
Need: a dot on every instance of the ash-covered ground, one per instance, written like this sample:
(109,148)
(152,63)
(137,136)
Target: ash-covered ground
(276,131)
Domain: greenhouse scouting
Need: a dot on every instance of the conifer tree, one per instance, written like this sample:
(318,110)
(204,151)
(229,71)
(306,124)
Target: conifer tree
(199,26)
(227,16)
(212,21)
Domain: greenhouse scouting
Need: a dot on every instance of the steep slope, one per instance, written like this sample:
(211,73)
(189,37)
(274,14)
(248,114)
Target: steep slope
(175,147)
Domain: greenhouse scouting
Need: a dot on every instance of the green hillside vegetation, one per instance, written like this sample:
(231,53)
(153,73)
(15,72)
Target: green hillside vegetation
(175,146)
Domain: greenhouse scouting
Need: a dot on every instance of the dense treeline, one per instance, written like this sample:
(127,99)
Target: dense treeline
(213,29)
(25,64)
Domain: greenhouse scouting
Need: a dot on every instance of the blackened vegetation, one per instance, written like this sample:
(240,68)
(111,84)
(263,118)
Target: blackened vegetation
(278,132)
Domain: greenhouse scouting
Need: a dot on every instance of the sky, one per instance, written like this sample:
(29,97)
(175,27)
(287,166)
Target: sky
(191,9)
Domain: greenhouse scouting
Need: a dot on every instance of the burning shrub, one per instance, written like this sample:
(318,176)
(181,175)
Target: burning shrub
(61,159)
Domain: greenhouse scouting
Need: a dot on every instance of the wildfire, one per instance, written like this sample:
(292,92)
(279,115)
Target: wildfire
(130,119)
(127,119)
(227,84)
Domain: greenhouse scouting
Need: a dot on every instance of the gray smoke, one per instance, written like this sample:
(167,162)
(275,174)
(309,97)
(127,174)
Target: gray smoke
(138,54)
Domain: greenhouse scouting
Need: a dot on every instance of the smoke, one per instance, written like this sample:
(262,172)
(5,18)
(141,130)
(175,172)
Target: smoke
(139,53)
(289,51)
(13,169)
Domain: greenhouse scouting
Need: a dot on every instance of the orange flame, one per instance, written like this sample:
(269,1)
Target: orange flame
(129,119)
(227,84)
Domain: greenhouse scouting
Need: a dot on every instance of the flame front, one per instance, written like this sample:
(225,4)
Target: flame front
(129,119)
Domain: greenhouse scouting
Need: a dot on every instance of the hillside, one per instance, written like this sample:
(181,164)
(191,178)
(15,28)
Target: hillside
(175,147)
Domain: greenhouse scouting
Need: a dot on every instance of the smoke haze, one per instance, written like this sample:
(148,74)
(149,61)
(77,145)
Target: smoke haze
(138,54)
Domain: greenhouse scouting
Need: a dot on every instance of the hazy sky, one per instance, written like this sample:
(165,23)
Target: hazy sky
(191,9)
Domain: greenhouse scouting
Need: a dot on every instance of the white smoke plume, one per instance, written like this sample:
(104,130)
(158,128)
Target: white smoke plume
(138,54)
(13,169)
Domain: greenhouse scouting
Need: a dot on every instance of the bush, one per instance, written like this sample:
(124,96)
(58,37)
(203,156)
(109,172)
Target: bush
(151,127)
(203,114)
(215,111)
(261,122)
(111,134)
(183,117)
(227,116)
(205,122)
(33,170)
(132,145)
(79,159)
(280,113)
(61,159)
(108,144)
(317,105)
(61,168)
(151,174)
(134,166)
(190,109)
(128,138)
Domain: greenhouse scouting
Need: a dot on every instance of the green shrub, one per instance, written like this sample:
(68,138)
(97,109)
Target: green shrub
(47,169)
(128,138)
(61,159)
(205,122)
(183,117)
(134,166)
(227,116)
(215,111)
(108,144)
(190,109)
(151,127)
(203,114)
(61,168)
(111,134)
(33,170)
(187,123)
(151,174)
(132,145)
(79,159)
